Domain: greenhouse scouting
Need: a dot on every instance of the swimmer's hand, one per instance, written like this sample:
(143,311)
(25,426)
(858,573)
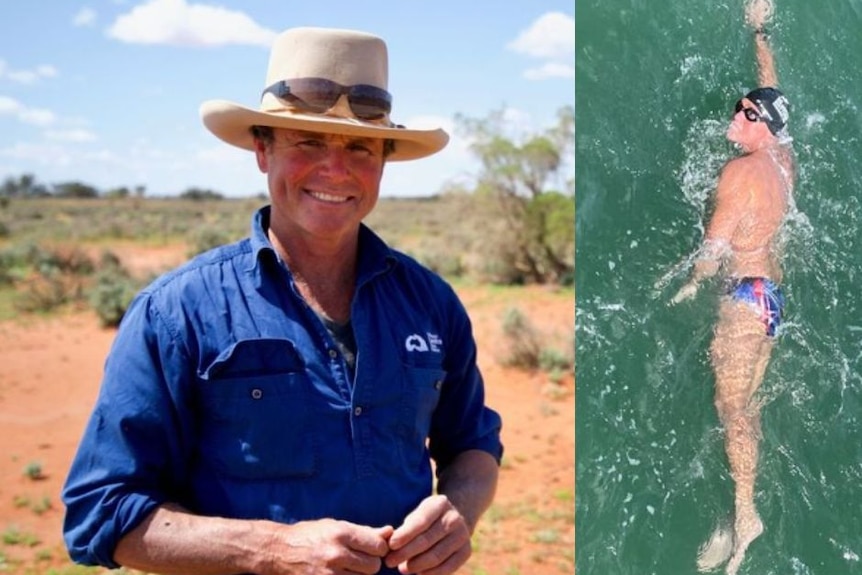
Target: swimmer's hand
(686,292)
(758,13)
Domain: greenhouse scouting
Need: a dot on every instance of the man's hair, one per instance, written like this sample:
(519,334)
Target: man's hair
(266,135)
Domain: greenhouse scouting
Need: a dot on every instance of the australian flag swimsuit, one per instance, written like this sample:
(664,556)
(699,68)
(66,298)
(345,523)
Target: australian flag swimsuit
(765,297)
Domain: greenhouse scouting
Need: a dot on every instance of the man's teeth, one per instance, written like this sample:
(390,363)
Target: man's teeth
(327,197)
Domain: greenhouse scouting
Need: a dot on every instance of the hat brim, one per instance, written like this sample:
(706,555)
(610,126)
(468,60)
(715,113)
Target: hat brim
(231,123)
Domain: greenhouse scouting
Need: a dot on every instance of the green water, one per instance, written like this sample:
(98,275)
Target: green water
(655,85)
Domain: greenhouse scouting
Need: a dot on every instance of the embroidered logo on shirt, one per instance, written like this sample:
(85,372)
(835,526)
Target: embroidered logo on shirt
(416,342)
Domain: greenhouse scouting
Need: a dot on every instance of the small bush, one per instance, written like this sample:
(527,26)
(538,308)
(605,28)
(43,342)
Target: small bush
(113,290)
(499,265)
(522,340)
(446,265)
(7,268)
(73,261)
(34,471)
(46,277)
(13,536)
(552,360)
(43,292)
(41,506)
(205,239)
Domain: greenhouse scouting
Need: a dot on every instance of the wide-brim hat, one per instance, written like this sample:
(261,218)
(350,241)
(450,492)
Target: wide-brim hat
(347,57)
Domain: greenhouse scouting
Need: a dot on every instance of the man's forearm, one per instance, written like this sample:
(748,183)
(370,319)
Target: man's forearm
(172,540)
(704,268)
(709,258)
(766,73)
(470,482)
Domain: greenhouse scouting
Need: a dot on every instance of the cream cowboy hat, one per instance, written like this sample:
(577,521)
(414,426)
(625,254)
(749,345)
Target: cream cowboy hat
(310,70)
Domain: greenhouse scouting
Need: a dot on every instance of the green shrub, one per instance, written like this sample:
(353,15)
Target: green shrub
(43,292)
(204,239)
(446,265)
(112,291)
(522,340)
(34,470)
(7,268)
(552,360)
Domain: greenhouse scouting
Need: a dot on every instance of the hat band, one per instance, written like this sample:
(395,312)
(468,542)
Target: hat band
(317,95)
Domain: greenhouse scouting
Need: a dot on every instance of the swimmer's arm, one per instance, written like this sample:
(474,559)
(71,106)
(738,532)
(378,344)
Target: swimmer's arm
(729,208)
(766,74)
(708,261)
(758,14)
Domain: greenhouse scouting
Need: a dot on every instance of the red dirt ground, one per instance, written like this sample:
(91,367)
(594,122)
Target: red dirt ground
(50,370)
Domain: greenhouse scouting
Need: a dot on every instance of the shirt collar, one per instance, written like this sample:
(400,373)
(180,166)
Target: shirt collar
(375,257)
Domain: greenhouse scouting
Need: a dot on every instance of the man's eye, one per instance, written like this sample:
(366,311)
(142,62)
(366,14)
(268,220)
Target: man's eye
(311,144)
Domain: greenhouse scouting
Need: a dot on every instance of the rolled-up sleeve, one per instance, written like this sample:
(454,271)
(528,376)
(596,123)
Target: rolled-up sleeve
(131,456)
(462,420)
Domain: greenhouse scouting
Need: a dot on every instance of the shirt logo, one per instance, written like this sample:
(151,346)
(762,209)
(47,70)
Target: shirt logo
(431,342)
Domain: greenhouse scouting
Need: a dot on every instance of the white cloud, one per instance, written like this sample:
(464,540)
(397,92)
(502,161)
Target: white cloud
(77,136)
(23,76)
(550,70)
(8,105)
(27,76)
(35,116)
(84,17)
(551,38)
(46,71)
(430,123)
(177,22)
(45,155)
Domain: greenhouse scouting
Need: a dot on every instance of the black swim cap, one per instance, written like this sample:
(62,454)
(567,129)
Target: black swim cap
(773,106)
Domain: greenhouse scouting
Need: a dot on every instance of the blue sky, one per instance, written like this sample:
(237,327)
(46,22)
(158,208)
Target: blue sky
(107,92)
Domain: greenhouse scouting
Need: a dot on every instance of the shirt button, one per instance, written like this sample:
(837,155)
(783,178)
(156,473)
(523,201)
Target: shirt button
(357,411)
(333,354)
(438,384)
(256,393)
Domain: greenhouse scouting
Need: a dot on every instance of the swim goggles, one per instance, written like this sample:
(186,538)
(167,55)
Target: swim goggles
(317,95)
(751,114)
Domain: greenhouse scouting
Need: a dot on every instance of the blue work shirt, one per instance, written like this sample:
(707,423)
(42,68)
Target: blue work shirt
(224,392)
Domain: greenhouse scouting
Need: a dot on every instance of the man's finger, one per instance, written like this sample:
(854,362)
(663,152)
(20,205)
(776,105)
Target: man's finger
(419,520)
(450,565)
(417,545)
(369,540)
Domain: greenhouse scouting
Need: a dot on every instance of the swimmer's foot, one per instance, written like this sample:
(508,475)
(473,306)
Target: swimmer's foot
(747,528)
(717,549)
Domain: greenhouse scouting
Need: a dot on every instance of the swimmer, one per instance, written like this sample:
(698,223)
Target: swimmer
(751,201)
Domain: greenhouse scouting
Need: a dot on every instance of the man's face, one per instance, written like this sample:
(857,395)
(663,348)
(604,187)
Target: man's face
(321,185)
(746,123)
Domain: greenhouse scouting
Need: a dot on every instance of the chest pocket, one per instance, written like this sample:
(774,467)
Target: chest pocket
(421,395)
(254,410)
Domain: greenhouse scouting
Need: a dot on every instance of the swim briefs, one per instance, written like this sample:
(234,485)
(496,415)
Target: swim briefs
(765,297)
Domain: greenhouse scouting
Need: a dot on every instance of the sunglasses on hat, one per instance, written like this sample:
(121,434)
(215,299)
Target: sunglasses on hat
(317,95)
(751,114)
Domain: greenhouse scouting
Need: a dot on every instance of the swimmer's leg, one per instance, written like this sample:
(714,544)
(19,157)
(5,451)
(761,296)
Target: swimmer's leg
(740,353)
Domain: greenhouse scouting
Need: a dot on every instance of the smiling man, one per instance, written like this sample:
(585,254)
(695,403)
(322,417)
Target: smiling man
(274,405)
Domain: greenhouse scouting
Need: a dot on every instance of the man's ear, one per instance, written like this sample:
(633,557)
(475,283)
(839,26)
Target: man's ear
(260,155)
